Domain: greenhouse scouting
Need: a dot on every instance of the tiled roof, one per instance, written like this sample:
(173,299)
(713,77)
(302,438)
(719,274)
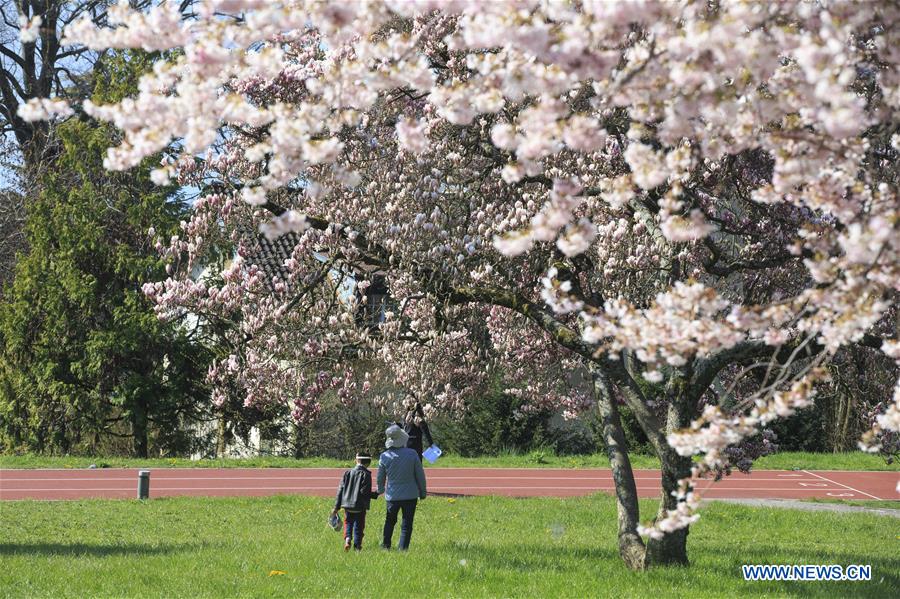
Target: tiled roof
(271,255)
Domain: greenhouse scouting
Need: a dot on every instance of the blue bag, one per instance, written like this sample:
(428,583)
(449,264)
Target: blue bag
(335,522)
(432,454)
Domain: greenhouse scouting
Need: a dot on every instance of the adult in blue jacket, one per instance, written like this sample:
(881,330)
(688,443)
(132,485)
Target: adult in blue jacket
(401,468)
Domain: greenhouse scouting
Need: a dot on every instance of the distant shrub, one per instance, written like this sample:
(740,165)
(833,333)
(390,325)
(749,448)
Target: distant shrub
(493,425)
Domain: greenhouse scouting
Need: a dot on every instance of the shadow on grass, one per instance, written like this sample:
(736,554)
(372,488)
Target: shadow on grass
(93,550)
(529,556)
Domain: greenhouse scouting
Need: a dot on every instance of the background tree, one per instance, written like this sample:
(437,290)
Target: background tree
(35,64)
(36,67)
(85,358)
(12,235)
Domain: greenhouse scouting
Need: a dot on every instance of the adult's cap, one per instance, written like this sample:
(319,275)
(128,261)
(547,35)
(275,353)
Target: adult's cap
(396,437)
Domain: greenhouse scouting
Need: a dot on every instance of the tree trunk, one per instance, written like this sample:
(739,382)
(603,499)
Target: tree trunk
(139,427)
(220,437)
(297,441)
(65,443)
(671,549)
(631,546)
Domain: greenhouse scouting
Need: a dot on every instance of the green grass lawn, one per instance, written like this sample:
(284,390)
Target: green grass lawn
(536,459)
(884,504)
(800,460)
(472,547)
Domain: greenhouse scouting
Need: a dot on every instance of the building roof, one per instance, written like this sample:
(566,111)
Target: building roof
(271,255)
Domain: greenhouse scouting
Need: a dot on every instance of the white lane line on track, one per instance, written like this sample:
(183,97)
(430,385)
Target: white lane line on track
(834,482)
(277,478)
(6,471)
(433,477)
(341,469)
(330,488)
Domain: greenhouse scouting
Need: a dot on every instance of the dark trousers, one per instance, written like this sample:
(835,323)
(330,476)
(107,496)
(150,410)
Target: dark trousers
(418,449)
(354,526)
(407,508)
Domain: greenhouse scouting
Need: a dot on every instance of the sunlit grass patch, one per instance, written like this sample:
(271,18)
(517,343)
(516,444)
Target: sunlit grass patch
(482,546)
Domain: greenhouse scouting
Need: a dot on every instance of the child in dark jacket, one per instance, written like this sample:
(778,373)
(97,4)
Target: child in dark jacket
(354,494)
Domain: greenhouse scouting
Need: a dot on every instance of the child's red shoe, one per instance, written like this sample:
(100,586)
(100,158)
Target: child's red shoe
(347,545)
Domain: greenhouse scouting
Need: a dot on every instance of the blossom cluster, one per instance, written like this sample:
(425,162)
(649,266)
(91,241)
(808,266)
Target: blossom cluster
(37,109)
(29,29)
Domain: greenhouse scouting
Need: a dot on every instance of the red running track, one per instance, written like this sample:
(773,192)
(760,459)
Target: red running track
(517,482)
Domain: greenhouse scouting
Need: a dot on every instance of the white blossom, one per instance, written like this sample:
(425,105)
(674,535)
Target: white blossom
(29,29)
(411,135)
(37,109)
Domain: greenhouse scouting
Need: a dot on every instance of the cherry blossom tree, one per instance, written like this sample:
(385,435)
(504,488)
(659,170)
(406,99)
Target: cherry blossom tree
(677,198)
